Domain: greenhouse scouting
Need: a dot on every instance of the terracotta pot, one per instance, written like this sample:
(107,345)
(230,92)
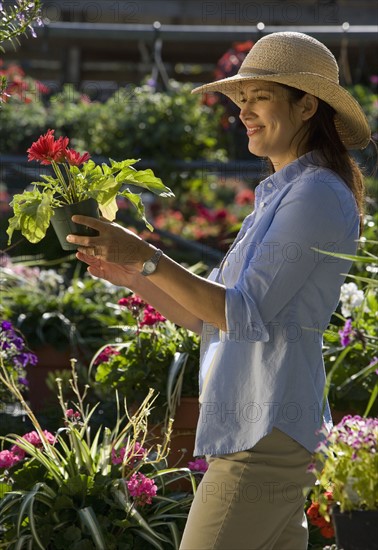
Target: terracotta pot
(49,360)
(356,530)
(63,225)
(184,432)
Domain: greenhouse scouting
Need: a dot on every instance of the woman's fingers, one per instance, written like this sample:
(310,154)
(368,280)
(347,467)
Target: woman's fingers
(94,223)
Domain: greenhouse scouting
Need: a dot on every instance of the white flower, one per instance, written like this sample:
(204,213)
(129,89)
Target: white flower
(49,277)
(351,298)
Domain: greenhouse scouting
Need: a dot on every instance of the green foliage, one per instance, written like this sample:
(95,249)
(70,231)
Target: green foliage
(158,126)
(30,119)
(17,19)
(368,101)
(351,340)
(144,359)
(51,307)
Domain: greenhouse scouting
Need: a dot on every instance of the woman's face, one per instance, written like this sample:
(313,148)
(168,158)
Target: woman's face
(272,122)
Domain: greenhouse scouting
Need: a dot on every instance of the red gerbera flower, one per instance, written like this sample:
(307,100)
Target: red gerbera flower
(47,149)
(74,158)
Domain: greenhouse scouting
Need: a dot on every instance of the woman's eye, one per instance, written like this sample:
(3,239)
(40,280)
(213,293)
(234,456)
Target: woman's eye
(261,97)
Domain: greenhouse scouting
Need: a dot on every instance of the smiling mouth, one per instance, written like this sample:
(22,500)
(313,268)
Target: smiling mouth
(254,130)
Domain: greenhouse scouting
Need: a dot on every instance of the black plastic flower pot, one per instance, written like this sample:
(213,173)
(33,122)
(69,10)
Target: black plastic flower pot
(356,530)
(63,224)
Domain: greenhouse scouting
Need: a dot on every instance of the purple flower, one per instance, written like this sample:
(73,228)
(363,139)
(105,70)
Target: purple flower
(347,334)
(198,465)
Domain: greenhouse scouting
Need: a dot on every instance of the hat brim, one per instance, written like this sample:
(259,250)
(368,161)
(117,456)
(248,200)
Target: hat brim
(350,120)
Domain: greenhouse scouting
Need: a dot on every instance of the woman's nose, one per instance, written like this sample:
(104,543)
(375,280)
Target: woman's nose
(245,110)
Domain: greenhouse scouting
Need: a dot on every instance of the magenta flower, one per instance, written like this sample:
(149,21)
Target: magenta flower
(135,455)
(105,355)
(34,439)
(347,333)
(198,465)
(72,415)
(151,317)
(141,488)
(8,459)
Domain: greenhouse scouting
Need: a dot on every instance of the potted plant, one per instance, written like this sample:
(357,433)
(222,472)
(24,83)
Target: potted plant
(346,465)
(89,489)
(78,186)
(150,351)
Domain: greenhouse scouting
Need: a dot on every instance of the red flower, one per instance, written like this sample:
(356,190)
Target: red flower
(133,302)
(74,158)
(47,149)
(245,196)
(151,317)
(328,531)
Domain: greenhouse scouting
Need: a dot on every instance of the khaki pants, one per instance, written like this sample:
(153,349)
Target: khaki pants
(252,500)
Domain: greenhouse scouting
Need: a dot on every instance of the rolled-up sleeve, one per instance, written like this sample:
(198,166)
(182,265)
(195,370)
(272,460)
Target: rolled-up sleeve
(310,216)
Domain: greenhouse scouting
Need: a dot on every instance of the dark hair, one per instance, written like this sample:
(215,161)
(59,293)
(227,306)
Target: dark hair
(320,133)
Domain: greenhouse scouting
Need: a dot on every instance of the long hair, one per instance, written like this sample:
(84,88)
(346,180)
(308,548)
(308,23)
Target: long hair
(320,133)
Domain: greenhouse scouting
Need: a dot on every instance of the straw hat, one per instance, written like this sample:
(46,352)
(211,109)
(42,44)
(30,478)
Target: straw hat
(300,61)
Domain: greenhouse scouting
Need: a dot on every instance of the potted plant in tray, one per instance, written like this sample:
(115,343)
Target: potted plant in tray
(346,464)
(79,186)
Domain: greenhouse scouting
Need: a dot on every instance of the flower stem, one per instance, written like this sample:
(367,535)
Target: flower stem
(66,188)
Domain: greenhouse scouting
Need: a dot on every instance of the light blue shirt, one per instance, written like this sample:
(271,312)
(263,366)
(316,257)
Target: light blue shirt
(266,370)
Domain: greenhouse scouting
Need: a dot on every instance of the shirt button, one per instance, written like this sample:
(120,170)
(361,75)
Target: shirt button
(269,185)
(262,204)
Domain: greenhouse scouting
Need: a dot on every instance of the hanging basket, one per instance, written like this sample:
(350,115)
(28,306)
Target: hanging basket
(63,225)
(356,530)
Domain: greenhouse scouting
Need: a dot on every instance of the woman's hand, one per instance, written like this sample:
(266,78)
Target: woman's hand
(116,254)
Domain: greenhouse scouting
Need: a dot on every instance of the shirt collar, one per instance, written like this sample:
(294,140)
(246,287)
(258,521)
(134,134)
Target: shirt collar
(293,171)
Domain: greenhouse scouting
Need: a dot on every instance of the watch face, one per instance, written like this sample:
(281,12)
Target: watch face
(149,267)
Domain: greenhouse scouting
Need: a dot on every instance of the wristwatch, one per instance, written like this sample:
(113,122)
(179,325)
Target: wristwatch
(150,265)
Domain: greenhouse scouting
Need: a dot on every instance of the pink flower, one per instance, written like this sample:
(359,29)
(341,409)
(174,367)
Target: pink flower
(8,459)
(141,488)
(72,415)
(134,455)
(105,355)
(198,465)
(133,302)
(34,439)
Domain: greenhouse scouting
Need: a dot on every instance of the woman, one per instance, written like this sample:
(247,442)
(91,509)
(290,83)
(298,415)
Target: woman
(263,311)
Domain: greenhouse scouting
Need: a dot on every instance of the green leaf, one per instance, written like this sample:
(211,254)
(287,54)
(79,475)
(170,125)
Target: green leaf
(32,213)
(136,201)
(147,180)
(89,519)
(4,489)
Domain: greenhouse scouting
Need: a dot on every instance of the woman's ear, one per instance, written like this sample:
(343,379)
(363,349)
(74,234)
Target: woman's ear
(309,104)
